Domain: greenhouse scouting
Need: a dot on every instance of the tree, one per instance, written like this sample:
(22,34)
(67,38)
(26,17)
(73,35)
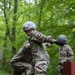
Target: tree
(14,28)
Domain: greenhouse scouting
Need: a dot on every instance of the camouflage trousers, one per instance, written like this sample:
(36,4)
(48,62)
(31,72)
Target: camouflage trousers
(22,68)
(60,70)
(40,67)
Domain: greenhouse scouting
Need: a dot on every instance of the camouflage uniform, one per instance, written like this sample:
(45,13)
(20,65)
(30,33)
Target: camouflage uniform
(65,54)
(21,62)
(40,56)
(0,54)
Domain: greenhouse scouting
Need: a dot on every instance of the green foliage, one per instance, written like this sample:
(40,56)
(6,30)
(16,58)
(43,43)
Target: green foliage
(52,17)
(4,72)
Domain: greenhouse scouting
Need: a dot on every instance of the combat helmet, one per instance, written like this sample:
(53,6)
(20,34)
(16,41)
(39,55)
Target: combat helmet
(28,25)
(61,40)
(62,37)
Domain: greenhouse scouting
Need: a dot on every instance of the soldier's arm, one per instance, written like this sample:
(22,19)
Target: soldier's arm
(47,44)
(16,62)
(21,52)
(42,38)
(70,54)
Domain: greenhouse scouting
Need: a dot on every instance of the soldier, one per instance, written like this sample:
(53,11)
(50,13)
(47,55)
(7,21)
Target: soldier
(0,54)
(21,62)
(40,56)
(65,52)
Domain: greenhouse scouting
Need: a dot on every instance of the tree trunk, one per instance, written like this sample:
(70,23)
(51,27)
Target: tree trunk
(14,28)
(6,33)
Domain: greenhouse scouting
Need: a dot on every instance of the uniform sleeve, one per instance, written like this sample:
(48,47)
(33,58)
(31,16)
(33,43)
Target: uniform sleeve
(18,56)
(42,38)
(21,53)
(47,44)
(17,61)
(70,54)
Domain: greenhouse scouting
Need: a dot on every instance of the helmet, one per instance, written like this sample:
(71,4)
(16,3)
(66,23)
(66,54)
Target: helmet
(61,40)
(29,25)
(62,37)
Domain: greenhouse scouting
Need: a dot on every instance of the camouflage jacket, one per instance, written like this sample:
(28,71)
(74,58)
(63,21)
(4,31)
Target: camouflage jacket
(22,61)
(37,45)
(24,54)
(65,54)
